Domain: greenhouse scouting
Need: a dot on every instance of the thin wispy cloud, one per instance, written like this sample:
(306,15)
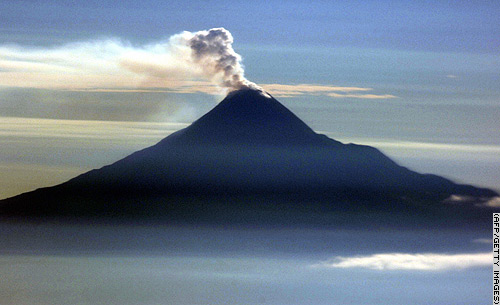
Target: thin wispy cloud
(459,199)
(493,202)
(409,261)
(29,128)
(284,90)
(362,96)
(483,241)
(421,146)
(114,65)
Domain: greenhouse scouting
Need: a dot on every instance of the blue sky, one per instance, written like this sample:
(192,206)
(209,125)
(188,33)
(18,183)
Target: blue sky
(442,26)
(417,79)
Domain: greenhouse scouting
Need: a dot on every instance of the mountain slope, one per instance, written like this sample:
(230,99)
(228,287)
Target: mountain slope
(248,146)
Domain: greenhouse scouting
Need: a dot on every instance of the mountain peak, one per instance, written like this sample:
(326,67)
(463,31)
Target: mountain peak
(249,116)
(248,91)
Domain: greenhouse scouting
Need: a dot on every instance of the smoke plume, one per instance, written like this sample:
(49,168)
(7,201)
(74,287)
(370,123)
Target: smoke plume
(203,61)
(212,50)
(204,54)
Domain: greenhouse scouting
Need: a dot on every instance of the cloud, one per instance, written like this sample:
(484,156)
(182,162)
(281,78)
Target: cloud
(423,146)
(362,96)
(460,199)
(299,89)
(284,90)
(493,202)
(405,261)
(483,241)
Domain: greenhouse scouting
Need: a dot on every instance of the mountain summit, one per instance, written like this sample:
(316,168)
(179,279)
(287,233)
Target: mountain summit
(248,155)
(250,117)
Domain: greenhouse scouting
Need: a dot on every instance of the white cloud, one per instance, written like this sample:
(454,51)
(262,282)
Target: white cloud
(460,199)
(407,261)
(493,202)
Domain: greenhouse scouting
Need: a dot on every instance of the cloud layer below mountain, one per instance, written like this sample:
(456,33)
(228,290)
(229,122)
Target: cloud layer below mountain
(411,261)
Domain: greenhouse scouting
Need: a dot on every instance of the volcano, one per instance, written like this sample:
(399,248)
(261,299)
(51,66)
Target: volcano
(249,156)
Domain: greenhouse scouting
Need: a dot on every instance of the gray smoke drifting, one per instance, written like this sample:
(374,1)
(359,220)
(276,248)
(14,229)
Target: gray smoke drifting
(204,54)
(213,51)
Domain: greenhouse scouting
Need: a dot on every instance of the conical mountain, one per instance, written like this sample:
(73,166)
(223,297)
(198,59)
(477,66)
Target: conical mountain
(250,117)
(249,146)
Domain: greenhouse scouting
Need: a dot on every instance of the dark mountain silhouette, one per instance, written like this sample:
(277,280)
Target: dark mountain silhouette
(248,158)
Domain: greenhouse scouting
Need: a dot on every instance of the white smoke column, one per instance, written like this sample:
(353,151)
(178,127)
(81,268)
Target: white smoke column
(213,53)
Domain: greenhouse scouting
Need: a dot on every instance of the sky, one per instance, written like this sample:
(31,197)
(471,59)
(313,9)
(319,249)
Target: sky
(83,84)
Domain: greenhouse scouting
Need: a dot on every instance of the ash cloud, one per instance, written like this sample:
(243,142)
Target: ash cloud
(212,50)
(204,54)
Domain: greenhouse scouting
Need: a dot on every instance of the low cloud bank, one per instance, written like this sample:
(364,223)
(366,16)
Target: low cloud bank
(408,261)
